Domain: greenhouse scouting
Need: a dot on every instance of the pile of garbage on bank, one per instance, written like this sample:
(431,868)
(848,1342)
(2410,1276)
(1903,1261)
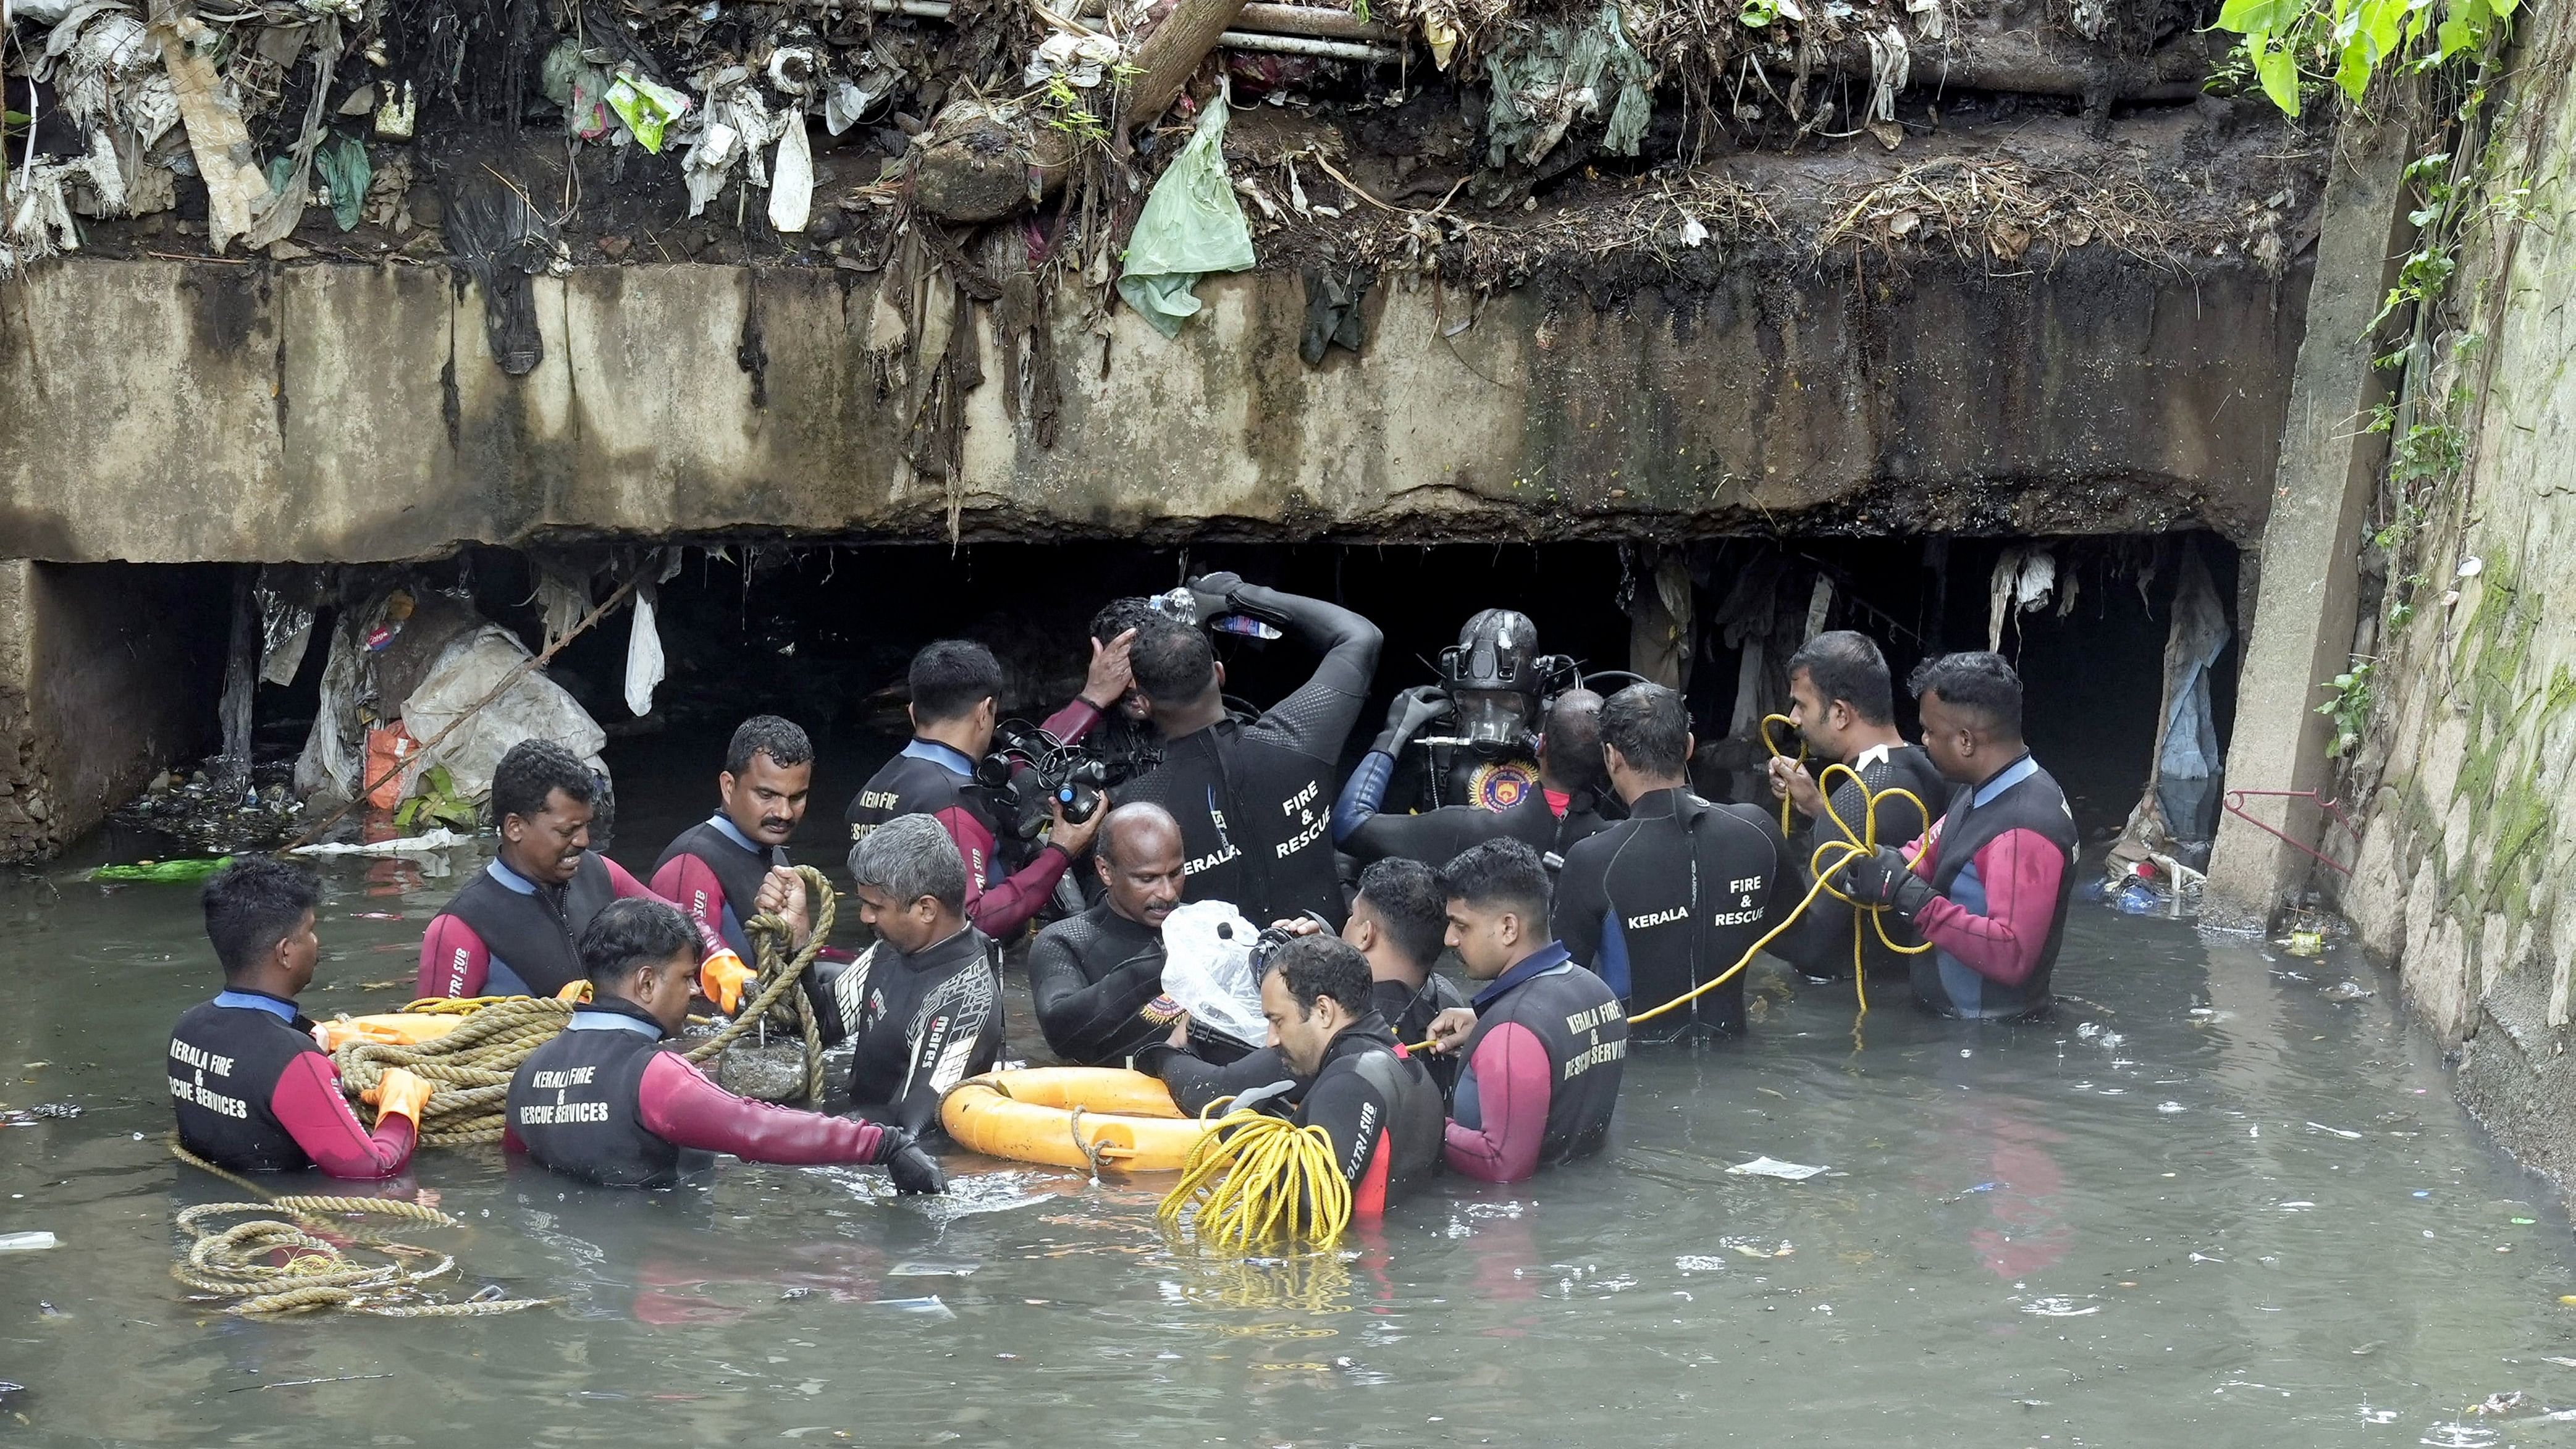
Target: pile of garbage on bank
(1139,143)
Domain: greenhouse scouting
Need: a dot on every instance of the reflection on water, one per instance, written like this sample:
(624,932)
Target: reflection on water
(2207,1201)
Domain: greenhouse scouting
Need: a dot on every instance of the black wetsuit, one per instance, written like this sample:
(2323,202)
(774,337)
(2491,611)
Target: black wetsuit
(1667,899)
(1255,801)
(1097,982)
(1365,832)
(1195,1081)
(1821,943)
(1380,1109)
(923,1024)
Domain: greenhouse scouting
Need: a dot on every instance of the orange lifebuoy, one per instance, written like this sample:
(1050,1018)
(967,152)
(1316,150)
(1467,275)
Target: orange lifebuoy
(1081,1117)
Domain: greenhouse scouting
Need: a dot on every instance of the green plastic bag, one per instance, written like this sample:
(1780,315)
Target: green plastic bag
(165,872)
(646,108)
(1191,225)
(342,160)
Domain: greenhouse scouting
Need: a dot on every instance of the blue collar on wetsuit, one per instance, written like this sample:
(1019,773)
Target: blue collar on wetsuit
(946,757)
(510,879)
(609,1013)
(2009,776)
(724,824)
(1538,963)
(276,1006)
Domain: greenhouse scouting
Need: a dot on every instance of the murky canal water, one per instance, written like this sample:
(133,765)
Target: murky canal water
(2206,1205)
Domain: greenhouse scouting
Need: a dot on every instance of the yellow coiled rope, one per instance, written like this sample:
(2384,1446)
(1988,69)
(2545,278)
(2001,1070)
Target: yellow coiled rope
(1831,857)
(268,1266)
(1259,1180)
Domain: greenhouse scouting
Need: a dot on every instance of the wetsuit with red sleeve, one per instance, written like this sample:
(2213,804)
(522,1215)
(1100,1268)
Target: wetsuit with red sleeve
(255,1094)
(2001,862)
(930,778)
(1542,1070)
(713,871)
(505,935)
(605,1103)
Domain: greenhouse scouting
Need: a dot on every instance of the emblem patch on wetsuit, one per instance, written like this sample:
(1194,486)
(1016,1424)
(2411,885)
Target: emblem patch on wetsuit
(1499,785)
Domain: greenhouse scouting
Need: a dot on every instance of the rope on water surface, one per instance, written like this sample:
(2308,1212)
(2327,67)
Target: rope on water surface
(268,1267)
(1259,1180)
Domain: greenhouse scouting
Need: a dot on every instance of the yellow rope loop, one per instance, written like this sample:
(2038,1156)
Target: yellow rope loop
(770,937)
(1259,1180)
(1773,746)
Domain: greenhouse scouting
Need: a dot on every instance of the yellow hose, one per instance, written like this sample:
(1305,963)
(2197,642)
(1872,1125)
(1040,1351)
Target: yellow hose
(1258,1180)
(1773,746)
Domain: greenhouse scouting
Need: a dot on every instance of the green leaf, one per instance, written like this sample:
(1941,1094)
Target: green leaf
(2279,71)
(2251,18)
(2353,75)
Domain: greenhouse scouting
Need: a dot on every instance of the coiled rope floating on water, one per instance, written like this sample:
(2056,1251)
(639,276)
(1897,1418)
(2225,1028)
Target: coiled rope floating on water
(469,1069)
(269,1267)
(1259,1180)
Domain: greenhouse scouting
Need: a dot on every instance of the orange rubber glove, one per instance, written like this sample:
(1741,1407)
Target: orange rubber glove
(721,979)
(399,1093)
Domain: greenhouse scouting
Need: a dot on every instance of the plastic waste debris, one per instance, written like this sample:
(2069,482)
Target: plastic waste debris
(41,1112)
(165,872)
(1207,968)
(1191,225)
(1773,1167)
(26,1242)
(646,108)
(2139,899)
(2304,943)
(2348,991)
(422,844)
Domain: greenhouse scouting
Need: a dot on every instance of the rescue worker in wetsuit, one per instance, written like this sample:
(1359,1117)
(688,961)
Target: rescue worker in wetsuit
(1843,704)
(1254,800)
(1543,1042)
(1378,1106)
(1494,679)
(252,1090)
(1397,924)
(1989,883)
(924,1003)
(604,1102)
(1125,740)
(1565,808)
(1673,895)
(515,929)
(732,866)
(956,687)
(1096,978)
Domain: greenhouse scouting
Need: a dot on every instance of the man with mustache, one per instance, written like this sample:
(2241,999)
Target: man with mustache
(1097,978)
(733,865)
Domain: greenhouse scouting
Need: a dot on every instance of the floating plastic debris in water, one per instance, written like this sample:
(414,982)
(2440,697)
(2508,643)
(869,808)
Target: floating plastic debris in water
(2169,1108)
(2305,943)
(2299,1206)
(930,1268)
(1699,1263)
(1773,1167)
(27,1242)
(2060,1307)
(42,1112)
(2336,1131)
(929,1307)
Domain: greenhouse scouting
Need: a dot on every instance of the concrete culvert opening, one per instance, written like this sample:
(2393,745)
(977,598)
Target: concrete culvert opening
(822,634)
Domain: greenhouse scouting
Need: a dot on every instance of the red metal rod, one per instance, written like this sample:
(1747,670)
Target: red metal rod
(2234,804)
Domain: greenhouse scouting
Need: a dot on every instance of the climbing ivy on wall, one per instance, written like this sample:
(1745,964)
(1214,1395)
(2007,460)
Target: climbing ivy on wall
(2293,45)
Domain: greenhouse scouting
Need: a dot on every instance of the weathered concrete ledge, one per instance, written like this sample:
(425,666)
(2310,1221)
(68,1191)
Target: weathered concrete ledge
(170,411)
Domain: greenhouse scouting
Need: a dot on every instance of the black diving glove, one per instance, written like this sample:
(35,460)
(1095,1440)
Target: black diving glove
(1214,594)
(1884,879)
(1412,709)
(913,1169)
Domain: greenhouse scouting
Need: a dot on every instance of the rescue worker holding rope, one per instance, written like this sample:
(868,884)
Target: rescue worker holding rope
(515,929)
(1842,703)
(733,865)
(1987,887)
(1376,1104)
(1666,899)
(252,1088)
(606,1103)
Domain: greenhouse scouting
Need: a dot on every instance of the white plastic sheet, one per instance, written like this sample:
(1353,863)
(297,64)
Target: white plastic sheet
(1207,968)
(533,707)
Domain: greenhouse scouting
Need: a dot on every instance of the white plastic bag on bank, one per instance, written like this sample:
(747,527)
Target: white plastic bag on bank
(1207,968)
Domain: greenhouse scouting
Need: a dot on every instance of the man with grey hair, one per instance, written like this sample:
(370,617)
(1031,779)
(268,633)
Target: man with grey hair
(924,1004)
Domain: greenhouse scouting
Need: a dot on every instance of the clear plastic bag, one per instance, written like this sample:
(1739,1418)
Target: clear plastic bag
(1207,968)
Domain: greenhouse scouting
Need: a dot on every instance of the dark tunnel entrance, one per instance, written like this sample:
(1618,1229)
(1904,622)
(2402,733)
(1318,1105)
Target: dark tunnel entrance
(823,634)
